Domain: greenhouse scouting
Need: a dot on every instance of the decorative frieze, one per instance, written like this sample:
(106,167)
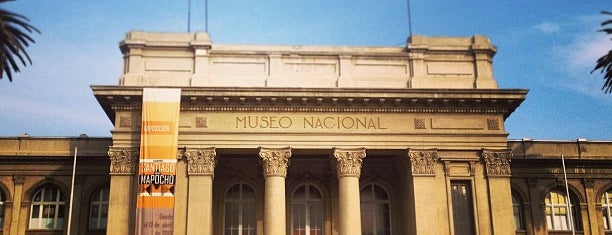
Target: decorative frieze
(275,161)
(423,162)
(201,122)
(497,162)
(123,160)
(349,161)
(419,123)
(125,121)
(200,161)
(492,124)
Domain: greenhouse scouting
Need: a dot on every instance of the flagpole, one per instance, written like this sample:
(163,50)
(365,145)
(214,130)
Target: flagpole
(568,202)
(206,15)
(72,189)
(409,19)
(189,16)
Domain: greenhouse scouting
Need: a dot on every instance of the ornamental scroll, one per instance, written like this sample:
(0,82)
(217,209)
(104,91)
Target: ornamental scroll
(349,161)
(423,162)
(497,162)
(201,161)
(275,161)
(122,160)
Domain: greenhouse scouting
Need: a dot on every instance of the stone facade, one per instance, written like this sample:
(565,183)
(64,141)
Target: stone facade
(399,140)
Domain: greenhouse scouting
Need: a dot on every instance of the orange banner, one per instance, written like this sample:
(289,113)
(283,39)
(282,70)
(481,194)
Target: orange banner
(157,167)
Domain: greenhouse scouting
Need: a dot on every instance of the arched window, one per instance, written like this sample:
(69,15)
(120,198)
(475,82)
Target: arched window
(98,212)
(48,208)
(557,216)
(2,201)
(606,207)
(240,211)
(517,207)
(307,214)
(375,216)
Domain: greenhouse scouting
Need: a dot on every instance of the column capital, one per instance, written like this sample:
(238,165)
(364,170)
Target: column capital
(201,161)
(349,161)
(423,161)
(497,162)
(275,161)
(123,160)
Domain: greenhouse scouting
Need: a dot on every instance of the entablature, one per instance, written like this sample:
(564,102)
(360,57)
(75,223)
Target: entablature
(470,101)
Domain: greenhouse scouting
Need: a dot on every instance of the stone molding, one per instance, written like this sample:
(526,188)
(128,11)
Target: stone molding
(233,107)
(423,162)
(497,162)
(349,161)
(275,161)
(588,183)
(123,160)
(201,161)
(19,179)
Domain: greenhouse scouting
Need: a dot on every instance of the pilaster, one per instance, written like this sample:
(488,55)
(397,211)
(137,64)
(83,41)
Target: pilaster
(593,214)
(76,206)
(348,165)
(123,160)
(420,180)
(483,57)
(497,164)
(15,211)
(274,162)
(200,170)
(201,50)
(122,190)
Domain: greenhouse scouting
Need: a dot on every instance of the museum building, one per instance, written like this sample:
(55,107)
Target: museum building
(310,140)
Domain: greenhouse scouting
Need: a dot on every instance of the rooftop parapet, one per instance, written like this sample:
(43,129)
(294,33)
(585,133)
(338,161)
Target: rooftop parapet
(191,59)
(553,149)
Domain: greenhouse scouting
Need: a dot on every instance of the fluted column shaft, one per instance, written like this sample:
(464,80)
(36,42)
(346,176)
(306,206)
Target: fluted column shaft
(349,169)
(274,162)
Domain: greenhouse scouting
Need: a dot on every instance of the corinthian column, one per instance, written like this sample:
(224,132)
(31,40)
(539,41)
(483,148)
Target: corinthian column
(200,171)
(274,162)
(349,169)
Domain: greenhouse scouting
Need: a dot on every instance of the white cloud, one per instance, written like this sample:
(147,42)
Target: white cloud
(547,27)
(578,59)
(586,50)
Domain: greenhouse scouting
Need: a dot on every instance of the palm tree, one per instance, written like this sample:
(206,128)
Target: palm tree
(605,62)
(13,41)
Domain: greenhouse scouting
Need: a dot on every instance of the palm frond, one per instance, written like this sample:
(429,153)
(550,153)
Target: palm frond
(14,39)
(604,63)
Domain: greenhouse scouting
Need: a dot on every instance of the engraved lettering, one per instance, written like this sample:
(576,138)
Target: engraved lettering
(309,122)
(285,122)
(263,122)
(240,121)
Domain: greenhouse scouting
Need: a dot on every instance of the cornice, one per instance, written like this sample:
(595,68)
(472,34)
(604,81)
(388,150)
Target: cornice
(500,101)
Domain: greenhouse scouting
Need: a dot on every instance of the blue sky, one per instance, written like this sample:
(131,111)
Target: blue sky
(546,46)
